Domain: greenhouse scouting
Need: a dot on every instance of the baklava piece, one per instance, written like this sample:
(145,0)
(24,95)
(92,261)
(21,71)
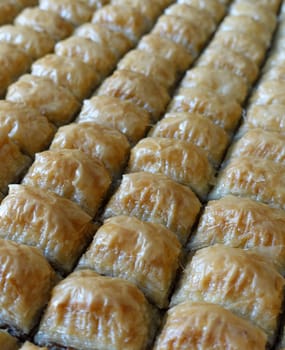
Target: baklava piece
(243,282)
(156,198)
(138,89)
(259,143)
(149,8)
(125,19)
(244,43)
(26,127)
(276,72)
(8,11)
(243,223)
(151,65)
(271,5)
(71,174)
(248,25)
(180,31)
(40,218)
(195,128)
(100,58)
(117,42)
(182,161)
(45,21)
(202,19)
(13,60)
(175,53)
(223,82)
(215,8)
(146,254)
(206,326)
(220,57)
(87,311)
(35,44)
(218,108)
(112,112)
(267,117)
(269,92)
(70,73)
(54,102)
(25,286)
(29,346)
(256,11)
(260,179)
(75,11)
(96,141)
(7,342)
(14,162)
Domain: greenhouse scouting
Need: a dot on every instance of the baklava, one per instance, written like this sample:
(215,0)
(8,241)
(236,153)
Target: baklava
(40,218)
(96,141)
(71,174)
(215,8)
(124,116)
(8,342)
(87,311)
(25,286)
(155,198)
(243,282)
(29,346)
(144,253)
(269,92)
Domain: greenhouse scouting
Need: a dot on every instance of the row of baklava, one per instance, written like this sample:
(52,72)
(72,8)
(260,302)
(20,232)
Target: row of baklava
(116,297)
(228,296)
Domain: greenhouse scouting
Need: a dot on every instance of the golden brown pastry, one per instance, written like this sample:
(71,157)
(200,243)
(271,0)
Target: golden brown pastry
(206,326)
(26,127)
(144,253)
(246,44)
(155,198)
(181,31)
(8,11)
(202,19)
(194,128)
(276,72)
(269,92)
(248,25)
(13,162)
(151,65)
(71,174)
(35,44)
(175,53)
(138,89)
(222,111)
(223,82)
(243,223)
(29,346)
(117,42)
(260,179)
(96,141)
(100,58)
(241,281)
(228,59)
(112,112)
(149,8)
(45,21)
(25,286)
(13,60)
(70,73)
(267,117)
(259,143)
(125,19)
(74,11)
(272,5)
(40,218)
(8,342)
(27,3)
(276,57)
(55,102)
(182,161)
(258,12)
(215,8)
(88,312)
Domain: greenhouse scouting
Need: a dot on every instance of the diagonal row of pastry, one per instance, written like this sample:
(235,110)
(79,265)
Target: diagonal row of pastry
(149,217)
